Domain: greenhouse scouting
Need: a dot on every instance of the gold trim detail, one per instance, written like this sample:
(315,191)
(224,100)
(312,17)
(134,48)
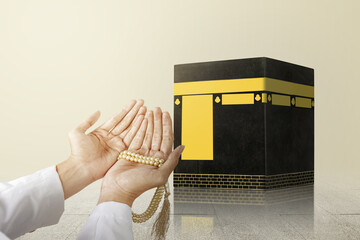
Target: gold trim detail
(235,99)
(293,101)
(177,101)
(243,85)
(303,102)
(217,99)
(281,100)
(264,97)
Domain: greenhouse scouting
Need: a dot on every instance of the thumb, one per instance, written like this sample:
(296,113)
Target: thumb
(87,123)
(172,160)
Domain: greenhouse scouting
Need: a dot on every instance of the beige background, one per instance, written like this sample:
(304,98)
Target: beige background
(62,60)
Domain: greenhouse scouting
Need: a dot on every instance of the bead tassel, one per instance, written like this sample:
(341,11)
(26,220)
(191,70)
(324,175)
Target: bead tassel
(161,224)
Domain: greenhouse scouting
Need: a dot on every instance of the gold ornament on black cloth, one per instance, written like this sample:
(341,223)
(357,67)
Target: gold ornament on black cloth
(161,224)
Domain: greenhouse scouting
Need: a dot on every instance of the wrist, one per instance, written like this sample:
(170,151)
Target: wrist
(120,197)
(73,176)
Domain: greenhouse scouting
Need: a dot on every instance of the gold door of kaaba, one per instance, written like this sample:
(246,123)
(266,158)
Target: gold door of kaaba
(197,127)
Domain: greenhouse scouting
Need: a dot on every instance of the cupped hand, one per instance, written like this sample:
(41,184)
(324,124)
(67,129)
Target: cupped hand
(126,180)
(97,151)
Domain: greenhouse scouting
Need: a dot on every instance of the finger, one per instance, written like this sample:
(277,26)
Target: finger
(126,131)
(85,125)
(167,134)
(139,137)
(126,121)
(171,162)
(129,137)
(142,111)
(156,140)
(111,123)
(149,131)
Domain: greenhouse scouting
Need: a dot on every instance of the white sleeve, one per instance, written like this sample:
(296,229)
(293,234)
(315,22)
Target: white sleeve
(3,237)
(109,220)
(30,202)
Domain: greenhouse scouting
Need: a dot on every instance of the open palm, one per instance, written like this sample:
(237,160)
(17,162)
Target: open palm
(99,149)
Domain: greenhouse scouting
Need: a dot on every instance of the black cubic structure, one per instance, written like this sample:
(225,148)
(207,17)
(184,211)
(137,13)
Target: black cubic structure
(246,123)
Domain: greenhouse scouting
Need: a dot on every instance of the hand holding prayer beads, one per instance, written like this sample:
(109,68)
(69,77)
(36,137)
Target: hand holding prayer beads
(128,178)
(155,201)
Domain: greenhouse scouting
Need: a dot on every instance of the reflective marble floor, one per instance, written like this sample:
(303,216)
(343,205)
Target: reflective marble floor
(324,211)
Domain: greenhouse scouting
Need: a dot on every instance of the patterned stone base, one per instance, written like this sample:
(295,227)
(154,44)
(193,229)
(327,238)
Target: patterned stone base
(242,196)
(243,181)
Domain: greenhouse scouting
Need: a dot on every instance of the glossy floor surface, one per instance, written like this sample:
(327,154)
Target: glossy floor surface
(323,211)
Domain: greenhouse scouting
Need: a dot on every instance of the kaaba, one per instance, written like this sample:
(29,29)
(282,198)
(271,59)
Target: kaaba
(245,123)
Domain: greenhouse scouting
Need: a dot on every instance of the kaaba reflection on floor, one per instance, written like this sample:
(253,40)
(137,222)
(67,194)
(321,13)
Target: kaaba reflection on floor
(201,213)
(328,211)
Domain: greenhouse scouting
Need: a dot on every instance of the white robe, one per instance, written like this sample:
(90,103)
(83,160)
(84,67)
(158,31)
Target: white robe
(37,200)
